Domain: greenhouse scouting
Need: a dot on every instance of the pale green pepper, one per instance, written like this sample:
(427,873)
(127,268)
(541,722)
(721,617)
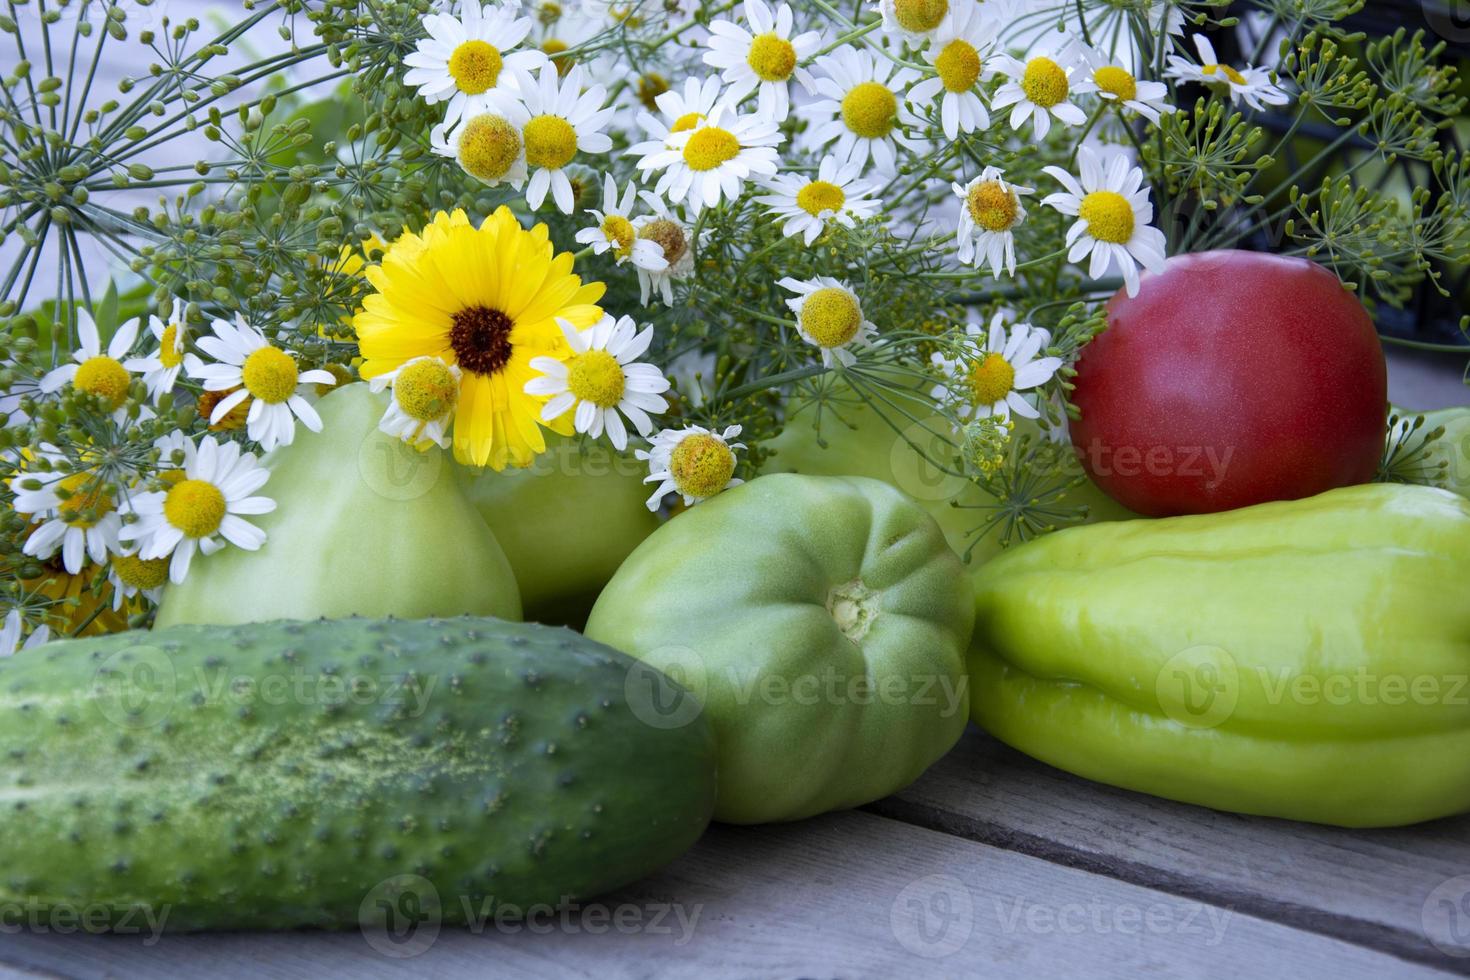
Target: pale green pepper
(1306,659)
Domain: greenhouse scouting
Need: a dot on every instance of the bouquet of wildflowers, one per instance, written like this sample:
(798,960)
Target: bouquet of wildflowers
(676,228)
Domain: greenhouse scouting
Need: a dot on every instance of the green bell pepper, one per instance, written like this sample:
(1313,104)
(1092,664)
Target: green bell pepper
(1304,659)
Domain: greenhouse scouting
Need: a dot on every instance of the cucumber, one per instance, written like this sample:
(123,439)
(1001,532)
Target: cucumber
(281,775)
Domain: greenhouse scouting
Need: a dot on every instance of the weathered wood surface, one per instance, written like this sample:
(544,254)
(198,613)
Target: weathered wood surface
(1366,886)
(849,895)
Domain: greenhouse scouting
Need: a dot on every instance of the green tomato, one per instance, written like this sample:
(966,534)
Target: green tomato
(364,525)
(566,523)
(871,447)
(822,623)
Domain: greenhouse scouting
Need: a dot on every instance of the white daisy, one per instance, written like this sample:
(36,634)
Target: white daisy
(810,205)
(676,242)
(990,374)
(614,230)
(861,106)
(1038,89)
(715,158)
(564,120)
(683,110)
(1118,85)
(914,20)
(991,213)
(1250,85)
(425,393)
(204,510)
(764,57)
(74,510)
(160,369)
(694,462)
(266,374)
(11,632)
(467,60)
(98,373)
(132,576)
(489,146)
(602,378)
(958,51)
(1113,211)
(829,316)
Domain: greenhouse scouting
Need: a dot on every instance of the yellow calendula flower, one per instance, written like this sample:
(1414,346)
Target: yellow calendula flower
(485,299)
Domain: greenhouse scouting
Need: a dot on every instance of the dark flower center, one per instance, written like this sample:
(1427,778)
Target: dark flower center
(481,339)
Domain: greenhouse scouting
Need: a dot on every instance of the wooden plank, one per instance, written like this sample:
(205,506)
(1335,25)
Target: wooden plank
(845,895)
(1371,887)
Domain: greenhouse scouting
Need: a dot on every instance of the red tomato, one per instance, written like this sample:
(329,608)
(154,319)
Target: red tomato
(1231,379)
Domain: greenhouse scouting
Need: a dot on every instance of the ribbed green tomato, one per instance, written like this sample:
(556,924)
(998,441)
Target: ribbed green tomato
(821,621)
(566,523)
(871,447)
(364,525)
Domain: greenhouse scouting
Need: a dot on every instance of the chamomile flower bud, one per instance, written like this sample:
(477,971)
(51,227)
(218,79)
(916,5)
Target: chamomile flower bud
(694,462)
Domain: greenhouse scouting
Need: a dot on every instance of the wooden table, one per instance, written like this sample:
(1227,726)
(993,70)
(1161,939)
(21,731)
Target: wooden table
(992,866)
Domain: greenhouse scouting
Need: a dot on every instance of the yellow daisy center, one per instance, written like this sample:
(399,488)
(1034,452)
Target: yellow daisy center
(86,502)
(650,87)
(709,147)
(1109,216)
(425,390)
(103,377)
(831,316)
(820,196)
(771,57)
(554,46)
(548,13)
(475,67)
(1225,70)
(169,354)
(551,142)
(196,507)
(992,206)
(686,122)
(1117,82)
(670,238)
(991,379)
(1044,82)
(958,65)
(270,374)
(619,231)
(919,16)
(701,465)
(144,574)
(480,339)
(596,377)
(869,110)
(488,146)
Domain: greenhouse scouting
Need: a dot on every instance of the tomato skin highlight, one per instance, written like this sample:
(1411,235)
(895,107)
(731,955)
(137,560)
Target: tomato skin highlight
(1233,378)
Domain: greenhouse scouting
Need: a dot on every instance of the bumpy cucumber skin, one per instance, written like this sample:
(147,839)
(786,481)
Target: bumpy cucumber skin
(525,777)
